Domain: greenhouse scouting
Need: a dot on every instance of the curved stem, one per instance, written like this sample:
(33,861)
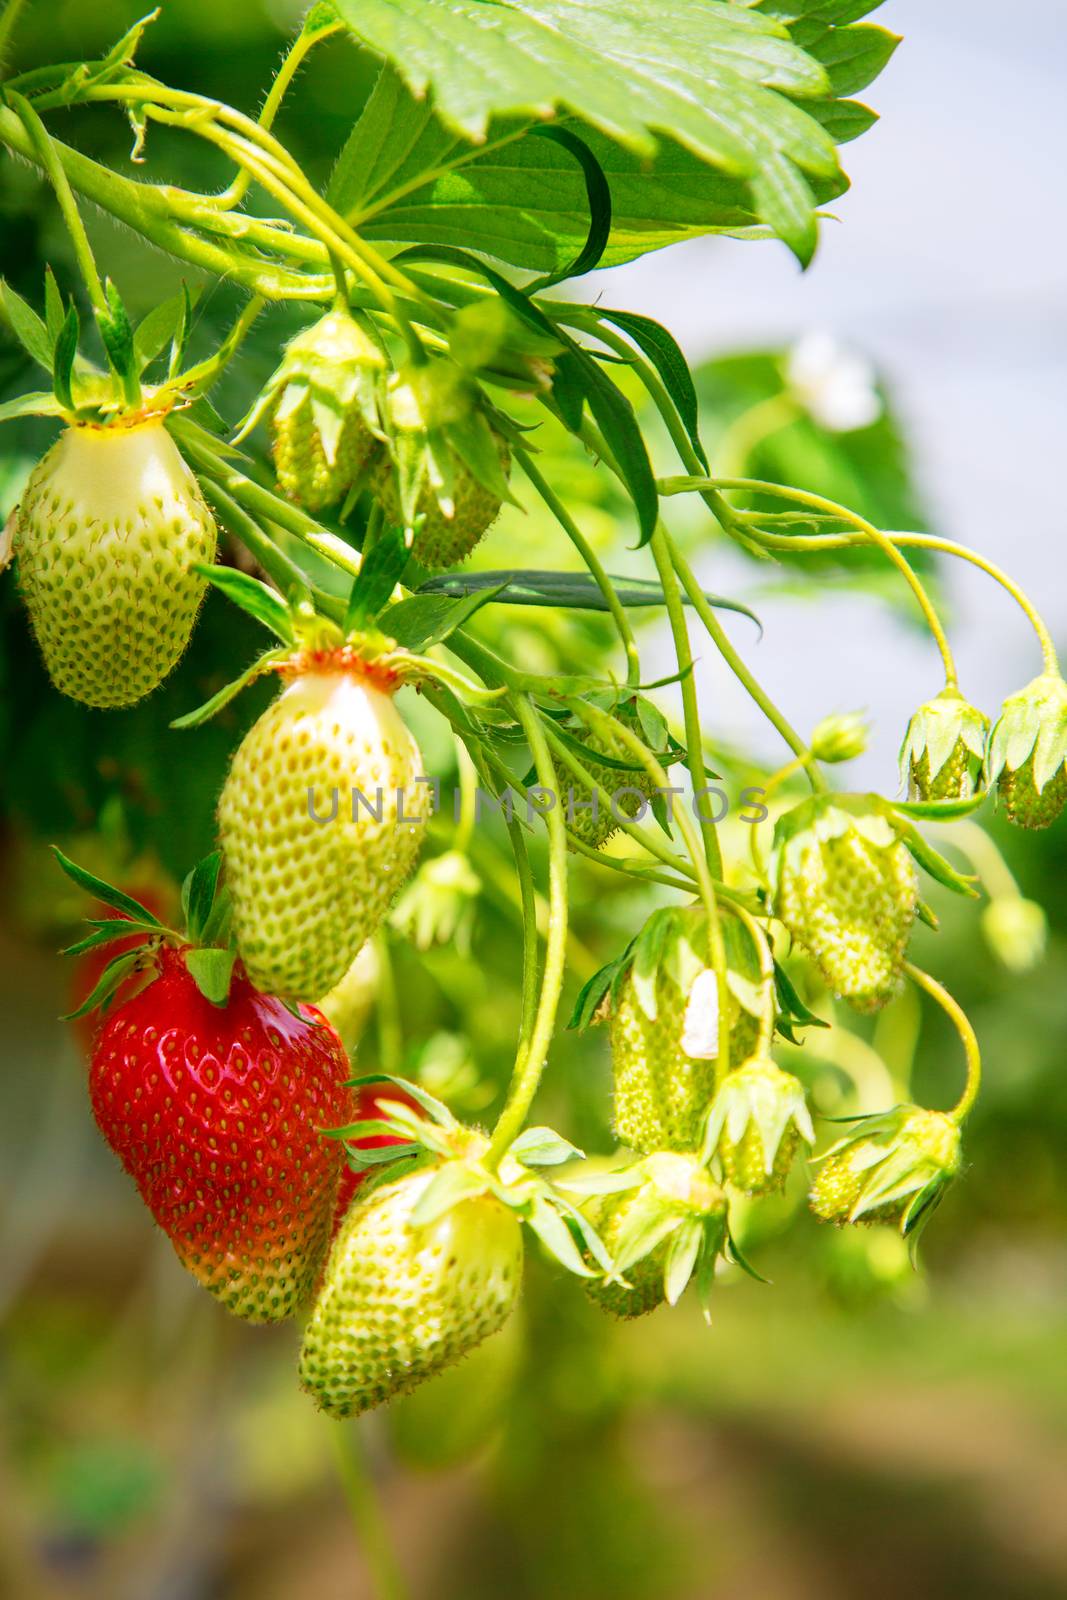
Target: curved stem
(722,643)
(53,168)
(366,1512)
(869,532)
(694,738)
(923,541)
(298,50)
(961,1023)
(592,561)
(468,798)
(530,1059)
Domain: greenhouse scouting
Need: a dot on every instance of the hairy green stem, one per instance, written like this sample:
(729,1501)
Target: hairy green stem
(961,1023)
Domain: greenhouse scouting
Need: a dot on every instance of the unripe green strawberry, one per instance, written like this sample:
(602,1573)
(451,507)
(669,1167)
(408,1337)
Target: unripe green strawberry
(320,821)
(844,885)
(759,1117)
(1027,757)
(631,787)
(323,408)
(110,527)
(943,750)
(446,464)
(401,1301)
(892,1168)
(656,1232)
(664,1021)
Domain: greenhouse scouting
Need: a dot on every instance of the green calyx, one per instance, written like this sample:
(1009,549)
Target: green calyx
(756,1124)
(891,1168)
(944,748)
(1027,758)
(209,953)
(324,403)
(666,1226)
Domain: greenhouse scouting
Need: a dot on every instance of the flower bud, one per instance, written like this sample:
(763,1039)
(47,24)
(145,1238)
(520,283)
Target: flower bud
(844,885)
(841,737)
(437,907)
(1028,752)
(941,757)
(1016,930)
(756,1124)
(892,1168)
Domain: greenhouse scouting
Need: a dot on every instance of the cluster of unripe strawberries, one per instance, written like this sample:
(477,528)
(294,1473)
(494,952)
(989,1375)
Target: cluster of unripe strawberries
(217,1074)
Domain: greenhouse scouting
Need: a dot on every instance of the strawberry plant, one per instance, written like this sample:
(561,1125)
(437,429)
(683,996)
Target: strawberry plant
(406,402)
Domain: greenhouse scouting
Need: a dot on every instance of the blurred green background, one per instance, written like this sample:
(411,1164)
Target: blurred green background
(857,1428)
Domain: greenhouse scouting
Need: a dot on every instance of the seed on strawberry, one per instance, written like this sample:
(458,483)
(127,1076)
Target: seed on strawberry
(892,1168)
(320,819)
(216,1113)
(110,527)
(665,1026)
(844,885)
(323,408)
(657,1232)
(446,465)
(402,1301)
(943,750)
(756,1125)
(1027,757)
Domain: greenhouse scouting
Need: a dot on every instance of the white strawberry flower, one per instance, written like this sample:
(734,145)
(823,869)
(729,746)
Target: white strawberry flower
(835,386)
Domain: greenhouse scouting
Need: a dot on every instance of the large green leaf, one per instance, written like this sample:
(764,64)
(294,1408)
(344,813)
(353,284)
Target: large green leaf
(688,106)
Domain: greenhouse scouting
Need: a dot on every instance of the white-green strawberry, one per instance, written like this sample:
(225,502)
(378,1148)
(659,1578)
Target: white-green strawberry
(444,474)
(670,1223)
(944,748)
(757,1122)
(400,1301)
(844,885)
(1027,757)
(891,1168)
(320,820)
(665,1026)
(323,405)
(110,528)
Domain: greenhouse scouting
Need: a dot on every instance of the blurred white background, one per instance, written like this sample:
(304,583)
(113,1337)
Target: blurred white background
(948,267)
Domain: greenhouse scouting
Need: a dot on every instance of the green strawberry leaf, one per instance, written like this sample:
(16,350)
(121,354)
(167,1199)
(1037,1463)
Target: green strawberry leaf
(204,713)
(104,891)
(569,591)
(933,862)
(434,1108)
(253,596)
(793,1007)
(106,933)
(379,573)
(117,334)
(940,810)
(66,353)
(446,1189)
(212,972)
(157,329)
(39,403)
(423,619)
(665,354)
(682,1254)
(598,194)
(53,307)
(26,325)
(110,979)
(198,895)
(556,1237)
(543,1147)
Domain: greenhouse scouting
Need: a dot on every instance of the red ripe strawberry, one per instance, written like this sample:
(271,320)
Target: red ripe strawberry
(216,1113)
(89,968)
(367,1109)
